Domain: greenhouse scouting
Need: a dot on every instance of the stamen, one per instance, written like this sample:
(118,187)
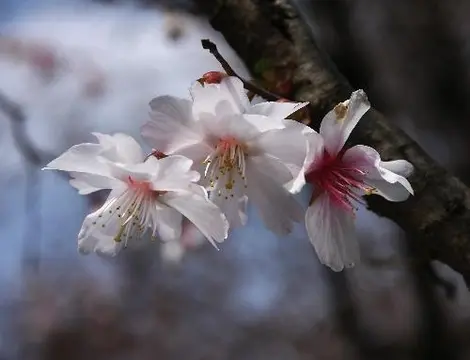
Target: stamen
(131,209)
(226,166)
(341,181)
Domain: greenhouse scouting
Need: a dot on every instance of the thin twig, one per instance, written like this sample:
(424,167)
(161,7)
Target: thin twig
(209,45)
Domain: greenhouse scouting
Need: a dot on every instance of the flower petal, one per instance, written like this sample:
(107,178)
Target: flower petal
(206,216)
(100,240)
(288,144)
(171,126)
(120,147)
(338,124)
(241,127)
(315,149)
(331,232)
(224,99)
(234,208)
(380,175)
(276,206)
(276,110)
(88,183)
(167,222)
(173,173)
(80,158)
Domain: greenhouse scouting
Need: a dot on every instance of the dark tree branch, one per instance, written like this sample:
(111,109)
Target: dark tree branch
(438,216)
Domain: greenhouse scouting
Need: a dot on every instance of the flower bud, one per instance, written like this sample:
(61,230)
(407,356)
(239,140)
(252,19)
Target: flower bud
(212,77)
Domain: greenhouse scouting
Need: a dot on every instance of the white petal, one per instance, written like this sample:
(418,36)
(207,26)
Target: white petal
(167,222)
(264,123)
(331,232)
(92,238)
(392,186)
(173,173)
(338,124)
(224,99)
(197,153)
(276,206)
(235,90)
(88,183)
(206,216)
(80,158)
(234,208)
(276,110)
(120,147)
(399,167)
(241,127)
(288,145)
(171,126)
(315,149)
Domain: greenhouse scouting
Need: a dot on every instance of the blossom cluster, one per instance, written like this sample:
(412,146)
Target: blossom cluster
(218,151)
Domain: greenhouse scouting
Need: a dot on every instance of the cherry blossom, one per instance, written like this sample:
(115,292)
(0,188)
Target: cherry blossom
(147,195)
(243,150)
(340,177)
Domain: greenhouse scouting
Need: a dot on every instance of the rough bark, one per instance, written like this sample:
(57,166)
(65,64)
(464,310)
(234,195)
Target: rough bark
(438,216)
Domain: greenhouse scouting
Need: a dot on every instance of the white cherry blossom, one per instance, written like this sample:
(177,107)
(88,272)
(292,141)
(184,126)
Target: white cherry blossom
(340,177)
(243,150)
(147,195)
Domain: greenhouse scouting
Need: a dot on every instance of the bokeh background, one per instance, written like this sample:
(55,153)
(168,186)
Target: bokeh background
(76,66)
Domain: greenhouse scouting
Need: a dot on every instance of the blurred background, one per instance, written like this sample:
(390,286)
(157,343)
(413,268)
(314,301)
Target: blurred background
(71,67)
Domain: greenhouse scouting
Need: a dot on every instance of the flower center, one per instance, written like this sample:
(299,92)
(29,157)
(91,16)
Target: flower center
(131,209)
(226,165)
(342,181)
(139,186)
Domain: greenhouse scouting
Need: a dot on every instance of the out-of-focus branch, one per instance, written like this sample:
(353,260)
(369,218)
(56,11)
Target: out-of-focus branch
(33,159)
(16,116)
(272,31)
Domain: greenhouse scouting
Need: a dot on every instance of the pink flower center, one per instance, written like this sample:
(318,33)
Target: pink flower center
(342,181)
(142,187)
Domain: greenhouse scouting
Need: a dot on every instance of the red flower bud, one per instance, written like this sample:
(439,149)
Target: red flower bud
(158,154)
(212,77)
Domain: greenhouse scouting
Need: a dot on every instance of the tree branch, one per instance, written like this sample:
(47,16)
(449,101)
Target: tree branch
(438,216)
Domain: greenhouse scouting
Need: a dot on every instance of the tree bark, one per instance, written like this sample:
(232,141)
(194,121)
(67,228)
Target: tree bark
(273,32)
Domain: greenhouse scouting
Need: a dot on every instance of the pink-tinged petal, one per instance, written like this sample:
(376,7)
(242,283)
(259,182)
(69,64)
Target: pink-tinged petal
(206,216)
(338,124)
(276,206)
(171,126)
(387,178)
(331,232)
(276,110)
(120,147)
